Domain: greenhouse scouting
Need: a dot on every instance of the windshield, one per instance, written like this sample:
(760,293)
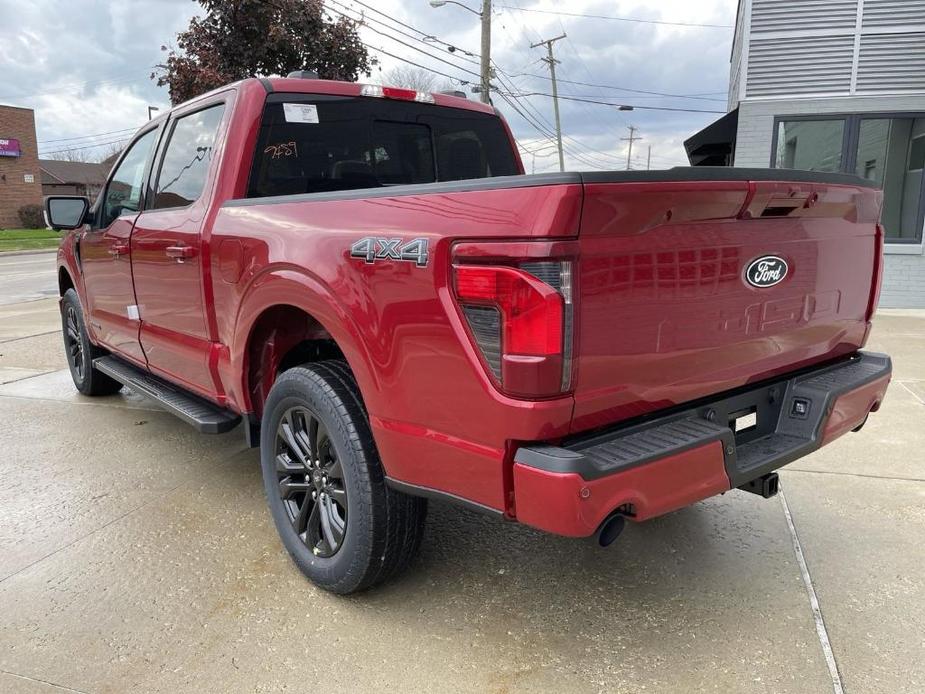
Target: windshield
(314,143)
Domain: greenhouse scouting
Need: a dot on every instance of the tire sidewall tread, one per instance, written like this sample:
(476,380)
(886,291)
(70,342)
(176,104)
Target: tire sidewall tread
(383,528)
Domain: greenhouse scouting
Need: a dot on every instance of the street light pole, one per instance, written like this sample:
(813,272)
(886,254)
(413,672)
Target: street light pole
(485,71)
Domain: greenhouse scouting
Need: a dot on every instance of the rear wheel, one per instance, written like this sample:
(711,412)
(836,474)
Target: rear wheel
(80,352)
(343,526)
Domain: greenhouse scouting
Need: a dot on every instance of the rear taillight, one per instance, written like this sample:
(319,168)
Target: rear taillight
(520,318)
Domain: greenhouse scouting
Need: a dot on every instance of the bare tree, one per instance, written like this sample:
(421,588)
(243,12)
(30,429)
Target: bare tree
(110,154)
(411,77)
(74,154)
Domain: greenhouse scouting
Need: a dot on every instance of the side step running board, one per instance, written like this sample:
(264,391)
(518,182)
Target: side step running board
(203,415)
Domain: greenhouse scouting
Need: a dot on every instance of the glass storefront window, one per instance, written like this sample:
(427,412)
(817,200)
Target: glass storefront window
(888,149)
(811,145)
(891,151)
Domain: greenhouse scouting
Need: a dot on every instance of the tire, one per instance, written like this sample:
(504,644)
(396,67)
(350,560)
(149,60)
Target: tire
(356,531)
(80,352)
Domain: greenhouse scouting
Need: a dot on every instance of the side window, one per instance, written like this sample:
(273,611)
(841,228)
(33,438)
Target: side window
(186,161)
(123,193)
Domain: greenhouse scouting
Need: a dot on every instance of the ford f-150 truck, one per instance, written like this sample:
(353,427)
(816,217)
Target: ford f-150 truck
(365,281)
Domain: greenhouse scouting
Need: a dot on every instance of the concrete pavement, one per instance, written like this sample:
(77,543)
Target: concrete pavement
(26,276)
(136,554)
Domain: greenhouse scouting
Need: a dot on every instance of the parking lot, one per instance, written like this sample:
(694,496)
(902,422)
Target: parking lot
(138,555)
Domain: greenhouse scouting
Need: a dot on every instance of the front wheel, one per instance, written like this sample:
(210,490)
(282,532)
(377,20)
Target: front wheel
(343,526)
(80,352)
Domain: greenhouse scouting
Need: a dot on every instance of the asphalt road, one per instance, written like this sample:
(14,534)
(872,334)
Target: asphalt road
(138,555)
(27,277)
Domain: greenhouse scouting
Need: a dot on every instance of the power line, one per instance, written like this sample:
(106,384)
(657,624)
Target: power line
(407,45)
(366,20)
(570,143)
(410,62)
(614,87)
(87,137)
(617,105)
(587,159)
(538,117)
(599,158)
(414,29)
(618,19)
(76,149)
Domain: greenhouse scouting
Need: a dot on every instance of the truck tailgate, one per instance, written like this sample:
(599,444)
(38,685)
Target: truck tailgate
(666,312)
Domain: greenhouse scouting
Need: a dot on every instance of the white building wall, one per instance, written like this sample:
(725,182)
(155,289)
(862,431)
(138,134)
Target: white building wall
(756,118)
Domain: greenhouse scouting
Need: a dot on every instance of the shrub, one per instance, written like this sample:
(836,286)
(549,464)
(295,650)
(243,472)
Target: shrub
(32,217)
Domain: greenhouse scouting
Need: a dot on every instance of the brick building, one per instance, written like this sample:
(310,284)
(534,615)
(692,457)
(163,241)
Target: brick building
(20,177)
(72,177)
(835,85)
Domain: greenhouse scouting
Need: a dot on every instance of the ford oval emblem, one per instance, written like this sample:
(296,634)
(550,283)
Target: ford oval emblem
(766,271)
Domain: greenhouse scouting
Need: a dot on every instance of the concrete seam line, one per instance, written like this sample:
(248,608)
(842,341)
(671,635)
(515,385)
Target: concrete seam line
(914,394)
(26,337)
(856,474)
(813,600)
(36,679)
(25,378)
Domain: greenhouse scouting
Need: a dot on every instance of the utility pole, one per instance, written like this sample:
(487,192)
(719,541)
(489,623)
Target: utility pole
(551,61)
(486,52)
(631,139)
(649,159)
(485,68)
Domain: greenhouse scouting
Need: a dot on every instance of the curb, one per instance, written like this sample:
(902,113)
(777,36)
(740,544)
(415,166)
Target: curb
(7,254)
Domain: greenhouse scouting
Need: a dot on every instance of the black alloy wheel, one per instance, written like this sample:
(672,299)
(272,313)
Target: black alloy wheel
(80,350)
(73,345)
(345,528)
(311,481)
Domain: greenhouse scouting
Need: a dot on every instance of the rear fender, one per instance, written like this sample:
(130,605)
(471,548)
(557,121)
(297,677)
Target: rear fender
(290,286)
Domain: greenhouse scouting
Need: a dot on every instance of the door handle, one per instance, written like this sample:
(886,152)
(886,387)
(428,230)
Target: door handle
(180,253)
(117,249)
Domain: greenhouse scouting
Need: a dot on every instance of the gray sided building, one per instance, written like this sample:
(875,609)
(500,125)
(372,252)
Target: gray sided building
(834,85)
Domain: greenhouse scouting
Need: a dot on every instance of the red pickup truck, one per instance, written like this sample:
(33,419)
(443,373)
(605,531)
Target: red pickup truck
(364,279)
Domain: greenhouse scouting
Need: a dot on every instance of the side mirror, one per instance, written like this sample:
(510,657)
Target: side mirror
(65,212)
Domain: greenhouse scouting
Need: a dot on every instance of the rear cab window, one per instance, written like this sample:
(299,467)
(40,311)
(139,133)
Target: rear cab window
(311,143)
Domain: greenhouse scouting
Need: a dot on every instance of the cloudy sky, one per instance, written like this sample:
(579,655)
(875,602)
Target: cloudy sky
(84,66)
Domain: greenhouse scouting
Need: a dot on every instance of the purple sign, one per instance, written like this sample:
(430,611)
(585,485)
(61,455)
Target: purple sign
(9,148)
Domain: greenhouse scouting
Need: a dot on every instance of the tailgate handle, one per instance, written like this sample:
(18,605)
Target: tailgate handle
(181,252)
(784,206)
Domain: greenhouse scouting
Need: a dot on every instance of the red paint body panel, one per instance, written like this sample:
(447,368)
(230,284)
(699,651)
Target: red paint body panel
(851,409)
(568,505)
(665,315)
(662,315)
(106,263)
(397,324)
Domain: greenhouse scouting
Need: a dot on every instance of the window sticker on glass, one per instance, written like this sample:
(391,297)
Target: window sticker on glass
(300,113)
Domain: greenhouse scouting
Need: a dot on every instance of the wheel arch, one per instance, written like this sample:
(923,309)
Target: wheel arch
(289,318)
(65,281)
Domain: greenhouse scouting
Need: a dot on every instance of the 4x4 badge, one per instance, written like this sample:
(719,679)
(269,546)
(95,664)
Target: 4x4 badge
(766,271)
(372,248)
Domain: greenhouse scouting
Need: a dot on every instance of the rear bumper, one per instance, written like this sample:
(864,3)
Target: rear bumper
(672,461)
